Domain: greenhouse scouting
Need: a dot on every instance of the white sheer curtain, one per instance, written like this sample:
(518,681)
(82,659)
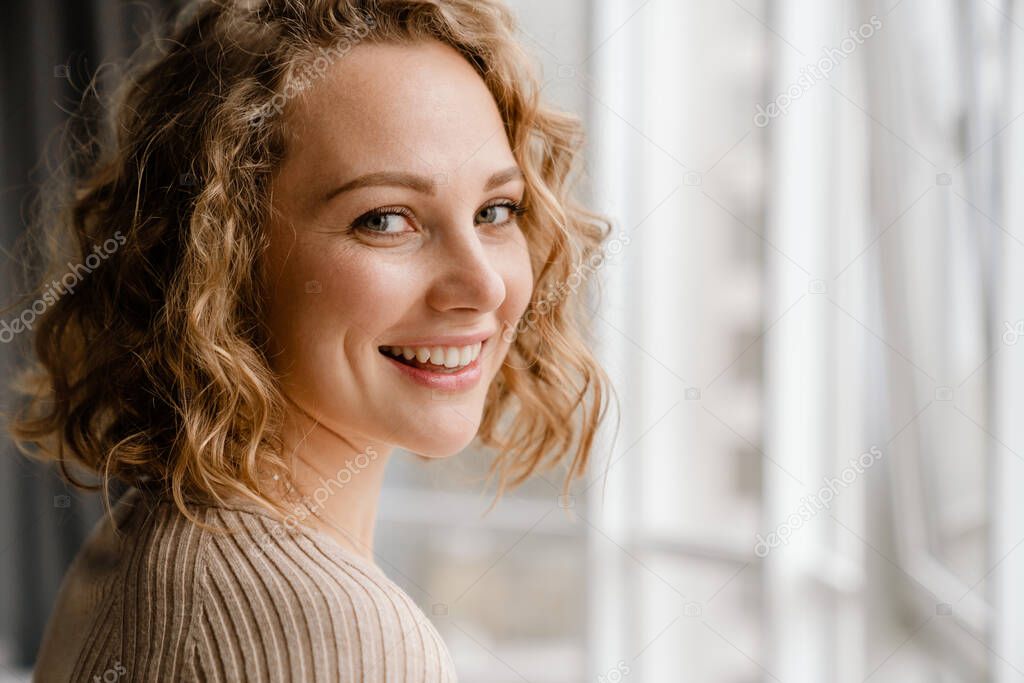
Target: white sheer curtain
(1008,393)
(876,316)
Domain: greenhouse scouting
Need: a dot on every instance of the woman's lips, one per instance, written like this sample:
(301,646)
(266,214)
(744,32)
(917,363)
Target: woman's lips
(437,376)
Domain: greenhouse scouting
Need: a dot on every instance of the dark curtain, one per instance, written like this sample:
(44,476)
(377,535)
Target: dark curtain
(48,50)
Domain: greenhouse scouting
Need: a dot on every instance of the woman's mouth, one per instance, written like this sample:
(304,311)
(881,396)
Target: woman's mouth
(441,359)
(447,368)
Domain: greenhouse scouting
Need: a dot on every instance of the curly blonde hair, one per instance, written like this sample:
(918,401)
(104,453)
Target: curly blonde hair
(151,370)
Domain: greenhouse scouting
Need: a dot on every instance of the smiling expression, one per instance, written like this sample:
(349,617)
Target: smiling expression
(395,254)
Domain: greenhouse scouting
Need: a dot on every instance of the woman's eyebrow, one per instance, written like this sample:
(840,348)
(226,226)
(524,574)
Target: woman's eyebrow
(419,183)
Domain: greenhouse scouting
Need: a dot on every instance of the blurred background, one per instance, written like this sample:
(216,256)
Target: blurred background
(811,311)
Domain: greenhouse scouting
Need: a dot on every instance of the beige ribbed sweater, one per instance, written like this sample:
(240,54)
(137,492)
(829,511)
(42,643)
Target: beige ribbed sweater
(165,600)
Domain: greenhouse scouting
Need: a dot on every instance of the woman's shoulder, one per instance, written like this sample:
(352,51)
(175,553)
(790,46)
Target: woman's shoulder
(316,610)
(292,564)
(132,581)
(256,602)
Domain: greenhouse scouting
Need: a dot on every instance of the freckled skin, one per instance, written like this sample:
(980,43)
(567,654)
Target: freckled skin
(335,295)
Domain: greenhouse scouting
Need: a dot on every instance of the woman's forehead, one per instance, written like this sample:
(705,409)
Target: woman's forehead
(410,95)
(418,108)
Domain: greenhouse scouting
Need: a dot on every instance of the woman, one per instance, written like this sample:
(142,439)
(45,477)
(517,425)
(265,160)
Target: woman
(312,235)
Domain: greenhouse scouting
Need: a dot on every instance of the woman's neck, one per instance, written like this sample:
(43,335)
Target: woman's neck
(337,481)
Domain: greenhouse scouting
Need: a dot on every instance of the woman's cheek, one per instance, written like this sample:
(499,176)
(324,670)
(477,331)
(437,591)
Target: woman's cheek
(518,284)
(373,294)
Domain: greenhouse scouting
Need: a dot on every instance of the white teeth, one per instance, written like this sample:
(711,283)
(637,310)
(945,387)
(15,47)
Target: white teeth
(437,355)
(446,356)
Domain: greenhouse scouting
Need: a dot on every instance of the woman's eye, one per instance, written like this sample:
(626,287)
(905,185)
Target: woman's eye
(498,214)
(382,221)
(389,221)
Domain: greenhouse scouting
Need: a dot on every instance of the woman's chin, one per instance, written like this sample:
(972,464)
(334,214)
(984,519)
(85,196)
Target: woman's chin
(440,448)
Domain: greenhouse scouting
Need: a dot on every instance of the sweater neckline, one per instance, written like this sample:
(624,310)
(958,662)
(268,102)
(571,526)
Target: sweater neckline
(314,535)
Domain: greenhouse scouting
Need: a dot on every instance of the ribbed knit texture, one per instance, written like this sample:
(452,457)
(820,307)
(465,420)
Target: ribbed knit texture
(165,600)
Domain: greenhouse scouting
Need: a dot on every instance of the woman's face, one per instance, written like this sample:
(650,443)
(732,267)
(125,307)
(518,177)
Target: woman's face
(442,267)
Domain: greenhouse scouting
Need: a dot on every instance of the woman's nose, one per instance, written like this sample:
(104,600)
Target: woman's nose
(466,274)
